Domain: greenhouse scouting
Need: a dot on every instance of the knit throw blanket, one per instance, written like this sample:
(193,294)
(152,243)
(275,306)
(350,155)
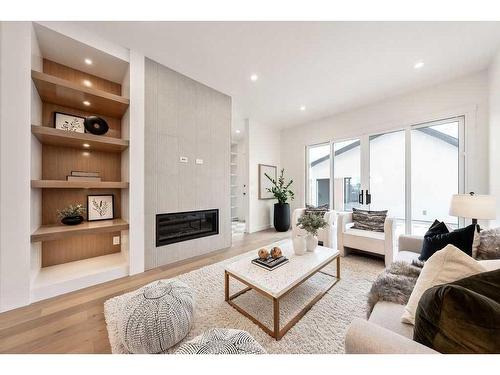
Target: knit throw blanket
(395,284)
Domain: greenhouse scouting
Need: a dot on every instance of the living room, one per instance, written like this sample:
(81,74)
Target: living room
(249,187)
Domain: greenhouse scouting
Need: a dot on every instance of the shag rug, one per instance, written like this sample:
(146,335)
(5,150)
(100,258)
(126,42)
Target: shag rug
(321,330)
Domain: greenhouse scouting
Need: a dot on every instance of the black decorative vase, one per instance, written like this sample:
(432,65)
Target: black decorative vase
(96,125)
(281,217)
(72,220)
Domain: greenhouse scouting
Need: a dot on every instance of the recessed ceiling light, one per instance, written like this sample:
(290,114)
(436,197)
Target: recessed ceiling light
(418,65)
(238,131)
(86,145)
(88,61)
(303,108)
(254,77)
(87,83)
(86,102)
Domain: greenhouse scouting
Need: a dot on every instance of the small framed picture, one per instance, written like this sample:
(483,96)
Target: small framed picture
(72,123)
(100,207)
(264,183)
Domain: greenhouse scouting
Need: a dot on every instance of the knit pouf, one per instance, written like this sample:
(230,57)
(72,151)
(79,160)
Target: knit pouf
(222,341)
(157,318)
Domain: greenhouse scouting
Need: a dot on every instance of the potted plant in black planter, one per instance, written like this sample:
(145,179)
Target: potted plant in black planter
(71,215)
(282,193)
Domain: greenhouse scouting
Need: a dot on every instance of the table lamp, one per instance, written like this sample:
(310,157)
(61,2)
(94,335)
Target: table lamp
(473,206)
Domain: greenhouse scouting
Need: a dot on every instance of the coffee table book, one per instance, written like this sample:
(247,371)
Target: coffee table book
(270,263)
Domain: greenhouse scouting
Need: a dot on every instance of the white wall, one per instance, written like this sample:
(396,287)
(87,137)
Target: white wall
(15,119)
(466,96)
(263,145)
(494,134)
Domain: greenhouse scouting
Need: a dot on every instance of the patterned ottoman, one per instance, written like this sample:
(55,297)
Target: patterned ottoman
(155,317)
(222,341)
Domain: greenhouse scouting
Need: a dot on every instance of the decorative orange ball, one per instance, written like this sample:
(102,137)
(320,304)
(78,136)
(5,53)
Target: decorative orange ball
(263,253)
(276,252)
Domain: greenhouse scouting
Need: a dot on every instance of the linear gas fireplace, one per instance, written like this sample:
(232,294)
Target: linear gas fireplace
(183,226)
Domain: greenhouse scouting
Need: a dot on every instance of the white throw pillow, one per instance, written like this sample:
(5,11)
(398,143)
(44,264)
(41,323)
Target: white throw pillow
(444,266)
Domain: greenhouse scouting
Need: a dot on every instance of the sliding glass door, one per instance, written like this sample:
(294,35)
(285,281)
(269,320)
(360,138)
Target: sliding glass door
(435,172)
(387,176)
(347,174)
(412,173)
(318,174)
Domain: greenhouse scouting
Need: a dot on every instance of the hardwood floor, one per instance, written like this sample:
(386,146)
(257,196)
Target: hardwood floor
(74,322)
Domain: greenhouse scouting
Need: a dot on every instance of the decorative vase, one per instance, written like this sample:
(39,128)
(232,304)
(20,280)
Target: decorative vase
(311,242)
(72,220)
(281,217)
(96,125)
(299,245)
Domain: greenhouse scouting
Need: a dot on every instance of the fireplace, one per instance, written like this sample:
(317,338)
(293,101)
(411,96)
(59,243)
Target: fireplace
(183,226)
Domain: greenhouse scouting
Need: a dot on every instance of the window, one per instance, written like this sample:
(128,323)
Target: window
(318,174)
(346,174)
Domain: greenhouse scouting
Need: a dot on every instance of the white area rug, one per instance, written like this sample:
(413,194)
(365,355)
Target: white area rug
(321,330)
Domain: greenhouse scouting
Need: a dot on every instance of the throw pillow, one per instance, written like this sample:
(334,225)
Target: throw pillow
(444,266)
(462,316)
(320,210)
(489,244)
(368,220)
(436,239)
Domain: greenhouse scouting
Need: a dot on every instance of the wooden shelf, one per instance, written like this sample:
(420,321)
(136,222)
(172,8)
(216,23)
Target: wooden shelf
(57,137)
(69,94)
(62,184)
(59,231)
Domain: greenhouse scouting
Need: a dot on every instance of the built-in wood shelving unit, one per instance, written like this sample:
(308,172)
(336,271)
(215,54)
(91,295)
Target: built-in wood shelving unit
(60,231)
(57,137)
(61,184)
(59,91)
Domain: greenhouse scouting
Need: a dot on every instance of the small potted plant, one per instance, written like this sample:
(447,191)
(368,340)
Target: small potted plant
(71,215)
(311,223)
(281,191)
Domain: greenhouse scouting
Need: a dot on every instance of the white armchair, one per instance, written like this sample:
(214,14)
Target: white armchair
(326,235)
(381,243)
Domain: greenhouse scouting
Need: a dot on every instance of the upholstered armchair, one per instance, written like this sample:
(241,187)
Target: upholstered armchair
(326,235)
(381,243)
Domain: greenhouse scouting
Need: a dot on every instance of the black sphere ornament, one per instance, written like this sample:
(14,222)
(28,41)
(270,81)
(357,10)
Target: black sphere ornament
(96,125)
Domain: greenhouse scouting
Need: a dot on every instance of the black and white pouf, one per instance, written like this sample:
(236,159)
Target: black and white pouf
(156,318)
(222,341)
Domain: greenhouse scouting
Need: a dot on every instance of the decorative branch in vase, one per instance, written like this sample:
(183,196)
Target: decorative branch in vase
(311,223)
(282,192)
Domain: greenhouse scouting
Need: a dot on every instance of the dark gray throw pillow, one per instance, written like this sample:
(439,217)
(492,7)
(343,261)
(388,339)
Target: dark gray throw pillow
(368,220)
(462,316)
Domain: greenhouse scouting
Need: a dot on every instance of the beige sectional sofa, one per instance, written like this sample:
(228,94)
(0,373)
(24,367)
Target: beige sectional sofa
(383,332)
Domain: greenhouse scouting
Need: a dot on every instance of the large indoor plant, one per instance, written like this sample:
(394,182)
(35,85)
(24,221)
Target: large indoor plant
(281,191)
(311,222)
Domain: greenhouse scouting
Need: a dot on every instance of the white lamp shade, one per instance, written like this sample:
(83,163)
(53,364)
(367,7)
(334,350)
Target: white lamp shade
(481,207)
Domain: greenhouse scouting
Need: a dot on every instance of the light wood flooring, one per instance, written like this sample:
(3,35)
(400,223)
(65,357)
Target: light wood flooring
(74,322)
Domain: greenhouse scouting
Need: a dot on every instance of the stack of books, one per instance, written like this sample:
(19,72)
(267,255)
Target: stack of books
(84,176)
(270,263)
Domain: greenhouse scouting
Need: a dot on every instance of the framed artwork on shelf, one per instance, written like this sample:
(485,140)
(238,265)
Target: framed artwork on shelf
(264,183)
(100,207)
(68,122)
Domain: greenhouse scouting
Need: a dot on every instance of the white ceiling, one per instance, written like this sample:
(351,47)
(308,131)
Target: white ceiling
(327,66)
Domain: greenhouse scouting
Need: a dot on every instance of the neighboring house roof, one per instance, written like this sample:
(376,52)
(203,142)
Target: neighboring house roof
(432,132)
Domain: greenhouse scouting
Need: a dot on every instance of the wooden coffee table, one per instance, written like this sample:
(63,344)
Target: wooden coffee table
(278,283)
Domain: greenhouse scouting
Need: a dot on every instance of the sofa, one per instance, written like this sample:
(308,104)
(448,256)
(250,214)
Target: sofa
(326,235)
(380,243)
(383,332)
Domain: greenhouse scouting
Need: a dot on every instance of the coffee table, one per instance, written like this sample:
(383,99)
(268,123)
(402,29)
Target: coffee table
(277,283)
